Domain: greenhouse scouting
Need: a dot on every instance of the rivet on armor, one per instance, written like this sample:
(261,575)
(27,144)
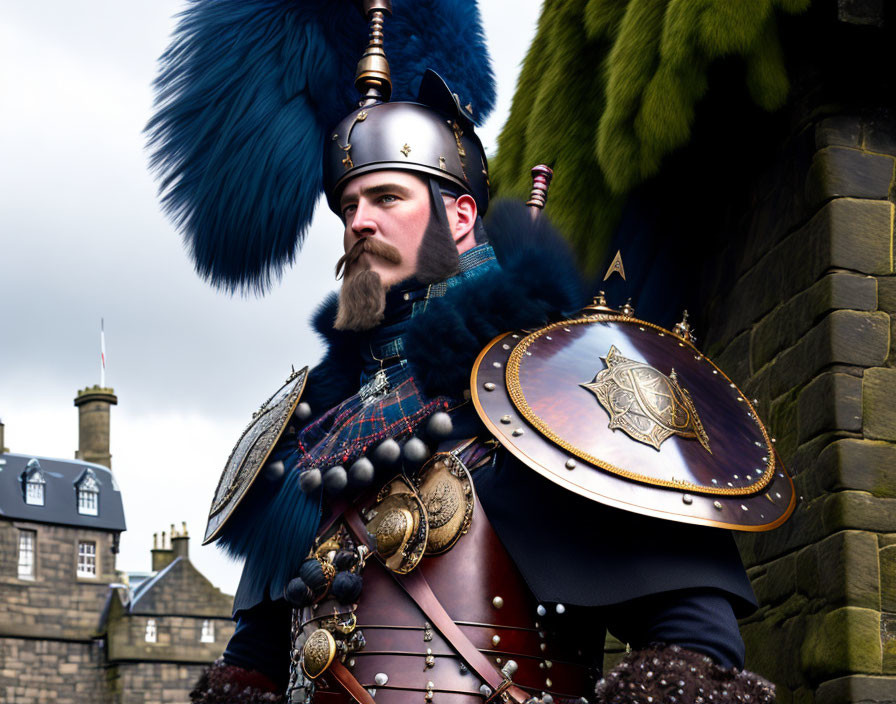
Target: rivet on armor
(371,691)
(427,632)
(498,661)
(717,504)
(506,420)
(309,480)
(743,508)
(439,425)
(541,611)
(548,337)
(497,602)
(547,698)
(560,609)
(505,346)
(463,669)
(335,479)
(509,669)
(429,651)
(570,463)
(496,365)
(427,695)
(387,452)
(548,664)
(415,451)
(542,647)
(688,499)
(381,678)
(407,296)
(430,685)
(496,640)
(541,666)
(351,663)
(274,470)
(489,386)
(430,661)
(361,472)
(485,690)
(303,411)
(517,432)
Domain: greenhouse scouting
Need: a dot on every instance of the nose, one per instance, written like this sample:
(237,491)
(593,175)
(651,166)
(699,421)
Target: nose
(363,224)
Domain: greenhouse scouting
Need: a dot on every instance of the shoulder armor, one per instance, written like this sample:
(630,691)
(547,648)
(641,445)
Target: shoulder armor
(631,415)
(252,451)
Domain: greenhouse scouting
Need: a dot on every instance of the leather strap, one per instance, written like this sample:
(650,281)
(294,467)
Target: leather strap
(416,586)
(348,682)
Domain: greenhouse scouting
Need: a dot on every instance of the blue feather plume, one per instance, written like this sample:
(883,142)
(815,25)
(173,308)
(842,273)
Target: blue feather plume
(245,95)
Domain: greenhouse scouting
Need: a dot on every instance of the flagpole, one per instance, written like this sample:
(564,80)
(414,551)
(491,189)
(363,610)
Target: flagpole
(102,355)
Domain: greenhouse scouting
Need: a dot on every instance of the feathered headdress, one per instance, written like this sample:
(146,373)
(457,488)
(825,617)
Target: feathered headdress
(246,95)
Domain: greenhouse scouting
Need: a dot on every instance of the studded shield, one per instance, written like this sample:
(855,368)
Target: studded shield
(633,416)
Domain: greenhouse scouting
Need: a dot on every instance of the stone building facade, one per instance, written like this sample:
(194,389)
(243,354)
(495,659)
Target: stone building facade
(72,630)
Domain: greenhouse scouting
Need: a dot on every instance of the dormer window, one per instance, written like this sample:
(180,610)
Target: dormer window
(88,489)
(34,483)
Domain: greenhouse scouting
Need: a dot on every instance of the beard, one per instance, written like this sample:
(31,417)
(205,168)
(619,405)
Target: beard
(362,298)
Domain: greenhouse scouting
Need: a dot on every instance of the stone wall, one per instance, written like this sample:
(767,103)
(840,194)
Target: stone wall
(154,682)
(56,604)
(801,315)
(177,639)
(51,672)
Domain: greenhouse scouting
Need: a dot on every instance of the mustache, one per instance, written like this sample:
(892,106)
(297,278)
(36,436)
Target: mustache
(366,244)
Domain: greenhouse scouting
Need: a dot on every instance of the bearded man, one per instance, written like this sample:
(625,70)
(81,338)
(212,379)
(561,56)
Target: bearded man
(405,536)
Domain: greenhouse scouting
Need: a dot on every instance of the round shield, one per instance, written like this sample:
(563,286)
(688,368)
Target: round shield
(252,451)
(631,415)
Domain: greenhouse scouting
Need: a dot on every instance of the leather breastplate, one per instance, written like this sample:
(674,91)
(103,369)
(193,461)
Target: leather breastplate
(397,653)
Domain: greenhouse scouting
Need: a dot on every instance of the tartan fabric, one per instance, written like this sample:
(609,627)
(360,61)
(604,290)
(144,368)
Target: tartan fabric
(356,425)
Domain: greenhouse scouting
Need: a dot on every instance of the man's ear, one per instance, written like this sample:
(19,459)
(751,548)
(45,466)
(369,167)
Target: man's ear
(466,210)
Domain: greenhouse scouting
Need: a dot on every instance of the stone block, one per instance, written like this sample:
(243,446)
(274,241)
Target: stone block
(887,557)
(735,359)
(857,689)
(862,465)
(843,337)
(878,407)
(841,642)
(888,643)
(838,131)
(843,172)
(861,12)
(831,401)
(790,321)
(848,570)
(886,288)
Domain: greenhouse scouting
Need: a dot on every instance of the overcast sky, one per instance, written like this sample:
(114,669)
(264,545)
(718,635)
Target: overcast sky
(82,237)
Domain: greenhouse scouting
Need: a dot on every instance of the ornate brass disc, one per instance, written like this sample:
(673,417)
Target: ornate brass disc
(447,492)
(398,522)
(318,652)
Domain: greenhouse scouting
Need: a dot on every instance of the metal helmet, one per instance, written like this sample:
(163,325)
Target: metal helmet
(433,137)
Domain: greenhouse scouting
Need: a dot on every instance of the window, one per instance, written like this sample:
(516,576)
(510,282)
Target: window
(86,559)
(151,630)
(27,541)
(88,489)
(35,483)
(208,632)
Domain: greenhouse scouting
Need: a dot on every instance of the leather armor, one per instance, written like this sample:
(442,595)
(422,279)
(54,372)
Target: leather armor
(395,642)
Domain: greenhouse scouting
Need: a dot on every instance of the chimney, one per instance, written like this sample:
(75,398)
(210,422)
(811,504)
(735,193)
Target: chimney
(162,554)
(180,542)
(93,405)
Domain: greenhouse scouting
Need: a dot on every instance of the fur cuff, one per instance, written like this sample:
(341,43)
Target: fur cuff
(669,674)
(228,684)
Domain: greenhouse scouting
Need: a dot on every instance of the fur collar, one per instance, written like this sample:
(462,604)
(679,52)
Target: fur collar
(537,282)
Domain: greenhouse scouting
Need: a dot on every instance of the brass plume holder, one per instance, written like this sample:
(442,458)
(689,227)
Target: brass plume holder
(373,80)
(541,181)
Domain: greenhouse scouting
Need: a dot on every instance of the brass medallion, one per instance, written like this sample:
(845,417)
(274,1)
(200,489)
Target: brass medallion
(399,524)
(447,492)
(644,403)
(317,653)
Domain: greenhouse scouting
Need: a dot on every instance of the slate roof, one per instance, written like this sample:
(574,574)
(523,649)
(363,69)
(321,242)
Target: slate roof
(60,497)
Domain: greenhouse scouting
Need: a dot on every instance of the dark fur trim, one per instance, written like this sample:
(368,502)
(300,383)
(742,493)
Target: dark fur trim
(335,378)
(227,684)
(538,282)
(670,674)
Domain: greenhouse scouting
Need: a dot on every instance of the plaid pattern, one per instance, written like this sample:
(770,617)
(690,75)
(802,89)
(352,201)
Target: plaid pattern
(356,426)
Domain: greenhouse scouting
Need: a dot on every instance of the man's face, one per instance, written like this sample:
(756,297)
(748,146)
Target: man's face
(392,207)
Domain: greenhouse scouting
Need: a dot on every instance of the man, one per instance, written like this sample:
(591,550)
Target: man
(393,548)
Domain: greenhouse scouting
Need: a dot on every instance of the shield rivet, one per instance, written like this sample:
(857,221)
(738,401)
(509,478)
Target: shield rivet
(489,386)
(688,499)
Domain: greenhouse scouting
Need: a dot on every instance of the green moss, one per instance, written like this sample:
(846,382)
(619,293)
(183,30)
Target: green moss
(610,87)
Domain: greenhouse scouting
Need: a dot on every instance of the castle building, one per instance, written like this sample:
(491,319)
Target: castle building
(73,628)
